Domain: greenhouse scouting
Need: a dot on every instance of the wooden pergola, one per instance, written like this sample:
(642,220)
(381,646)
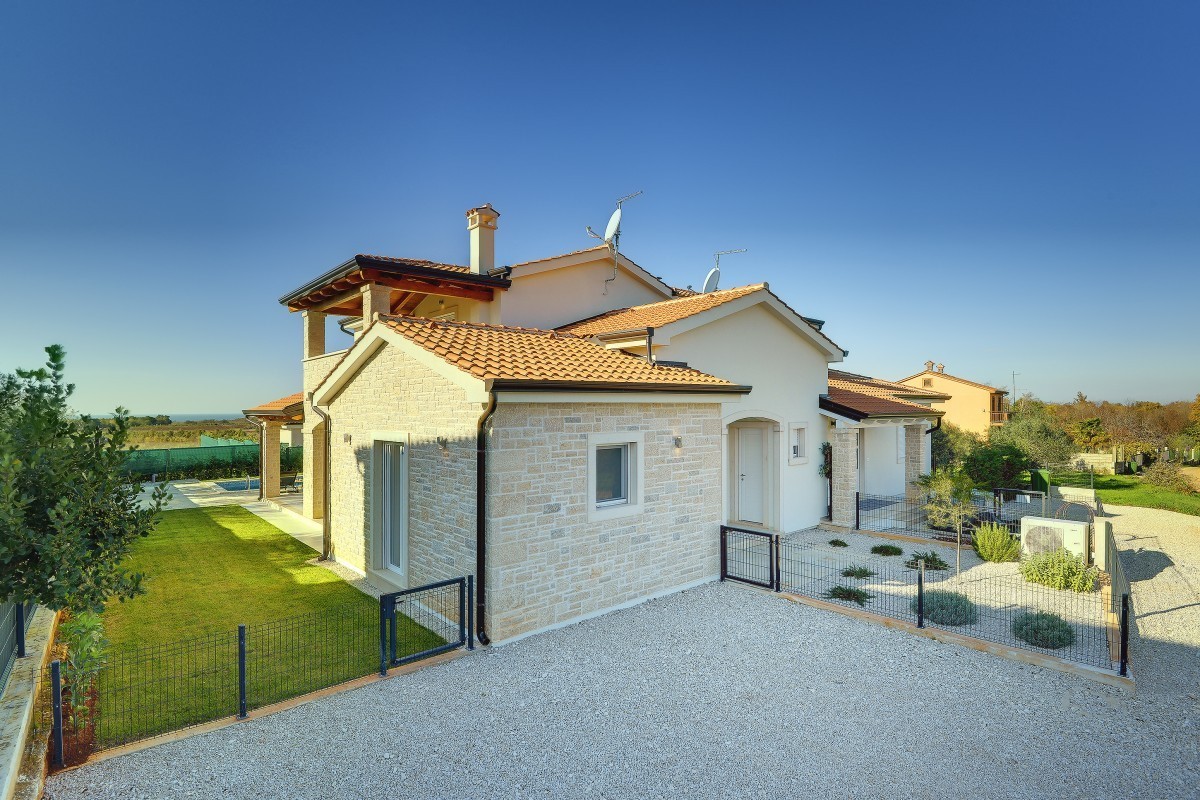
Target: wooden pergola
(407,281)
(271,417)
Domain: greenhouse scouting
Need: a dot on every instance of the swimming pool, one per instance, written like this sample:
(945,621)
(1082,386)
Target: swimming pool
(238,485)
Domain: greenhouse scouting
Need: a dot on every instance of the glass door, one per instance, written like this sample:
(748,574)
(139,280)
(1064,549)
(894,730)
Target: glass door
(393,518)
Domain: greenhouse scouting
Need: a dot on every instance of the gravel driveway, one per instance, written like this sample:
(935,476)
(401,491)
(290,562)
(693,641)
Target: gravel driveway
(721,690)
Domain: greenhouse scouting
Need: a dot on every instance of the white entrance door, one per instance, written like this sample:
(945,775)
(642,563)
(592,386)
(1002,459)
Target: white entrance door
(393,516)
(751,475)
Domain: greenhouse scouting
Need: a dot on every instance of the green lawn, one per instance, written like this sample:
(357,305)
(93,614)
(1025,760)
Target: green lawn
(1127,490)
(173,651)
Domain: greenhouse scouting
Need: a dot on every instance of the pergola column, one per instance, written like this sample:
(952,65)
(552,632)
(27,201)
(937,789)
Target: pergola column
(314,467)
(270,457)
(845,476)
(914,458)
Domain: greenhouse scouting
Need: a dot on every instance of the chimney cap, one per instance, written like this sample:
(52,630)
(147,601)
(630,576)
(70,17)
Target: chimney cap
(484,210)
(929,366)
(941,367)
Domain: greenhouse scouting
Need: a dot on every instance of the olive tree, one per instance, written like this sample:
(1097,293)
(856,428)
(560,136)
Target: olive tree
(68,513)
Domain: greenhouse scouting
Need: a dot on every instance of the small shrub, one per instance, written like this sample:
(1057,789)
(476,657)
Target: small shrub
(857,572)
(83,637)
(837,543)
(1167,475)
(848,593)
(931,558)
(1059,569)
(1043,629)
(887,550)
(994,543)
(947,608)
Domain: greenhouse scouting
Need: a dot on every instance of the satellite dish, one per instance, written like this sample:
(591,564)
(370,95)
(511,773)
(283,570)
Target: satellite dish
(710,281)
(614,226)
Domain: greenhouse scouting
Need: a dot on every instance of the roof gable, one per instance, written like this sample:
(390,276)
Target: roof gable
(954,378)
(679,315)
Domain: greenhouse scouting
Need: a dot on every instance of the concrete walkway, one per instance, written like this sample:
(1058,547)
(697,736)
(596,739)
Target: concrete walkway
(306,530)
(191,493)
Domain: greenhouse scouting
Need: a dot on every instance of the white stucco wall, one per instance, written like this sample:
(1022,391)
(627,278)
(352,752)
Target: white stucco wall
(883,464)
(548,299)
(755,347)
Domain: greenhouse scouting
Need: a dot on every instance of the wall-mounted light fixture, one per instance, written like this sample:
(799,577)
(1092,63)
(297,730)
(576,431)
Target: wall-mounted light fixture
(678,442)
(346,438)
(443,443)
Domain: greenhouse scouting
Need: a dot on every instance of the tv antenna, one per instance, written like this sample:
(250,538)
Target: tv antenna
(612,235)
(714,274)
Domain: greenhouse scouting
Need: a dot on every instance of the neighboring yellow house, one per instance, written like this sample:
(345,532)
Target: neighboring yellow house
(971,406)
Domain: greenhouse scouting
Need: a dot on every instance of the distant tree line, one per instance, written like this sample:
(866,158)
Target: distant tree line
(1040,434)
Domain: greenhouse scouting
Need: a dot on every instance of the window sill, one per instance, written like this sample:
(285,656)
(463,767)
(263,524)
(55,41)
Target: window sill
(617,511)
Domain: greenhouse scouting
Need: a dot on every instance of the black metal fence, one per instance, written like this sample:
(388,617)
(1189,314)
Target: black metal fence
(149,691)
(1088,628)
(14,618)
(911,516)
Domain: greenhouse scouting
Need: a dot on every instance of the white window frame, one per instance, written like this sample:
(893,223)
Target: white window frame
(635,444)
(901,443)
(379,545)
(793,429)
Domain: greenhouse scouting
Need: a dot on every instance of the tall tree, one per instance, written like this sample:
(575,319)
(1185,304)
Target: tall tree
(68,514)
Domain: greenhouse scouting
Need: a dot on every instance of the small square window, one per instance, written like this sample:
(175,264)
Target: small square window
(612,475)
(615,478)
(927,382)
(797,443)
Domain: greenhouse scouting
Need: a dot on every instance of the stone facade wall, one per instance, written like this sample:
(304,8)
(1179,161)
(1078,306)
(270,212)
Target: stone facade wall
(548,564)
(394,393)
(914,458)
(315,371)
(845,476)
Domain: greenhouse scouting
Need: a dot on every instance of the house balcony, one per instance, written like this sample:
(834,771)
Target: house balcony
(999,417)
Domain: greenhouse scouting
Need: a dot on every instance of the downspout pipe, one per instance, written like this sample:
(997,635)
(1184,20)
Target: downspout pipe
(935,427)
(326,534)
(481,515)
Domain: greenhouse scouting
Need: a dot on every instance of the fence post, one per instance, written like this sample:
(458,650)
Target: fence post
(857,511)
(383,637)
(775,582)
(20,629)
(241,671)
(1125,634)
(56,735)
(462,620)
(470,612)
(921,593)
(724,553)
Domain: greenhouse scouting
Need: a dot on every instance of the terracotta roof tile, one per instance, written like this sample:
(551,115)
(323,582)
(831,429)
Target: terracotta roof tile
(457,269)
(280,407)
(872,397)
(656,314)
(865,384)
(496,352)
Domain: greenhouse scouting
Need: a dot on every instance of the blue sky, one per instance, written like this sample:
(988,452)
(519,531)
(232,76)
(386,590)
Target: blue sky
(996,186)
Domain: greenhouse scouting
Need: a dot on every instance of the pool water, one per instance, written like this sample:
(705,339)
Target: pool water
(238,485)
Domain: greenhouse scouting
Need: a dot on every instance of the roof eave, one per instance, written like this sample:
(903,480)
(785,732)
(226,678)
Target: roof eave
(364,262)
(514,385)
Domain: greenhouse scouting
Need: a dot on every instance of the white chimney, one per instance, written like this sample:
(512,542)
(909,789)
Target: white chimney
(481,223)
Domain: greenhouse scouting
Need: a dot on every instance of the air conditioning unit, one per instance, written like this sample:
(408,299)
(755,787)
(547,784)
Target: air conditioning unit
(1044,535)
